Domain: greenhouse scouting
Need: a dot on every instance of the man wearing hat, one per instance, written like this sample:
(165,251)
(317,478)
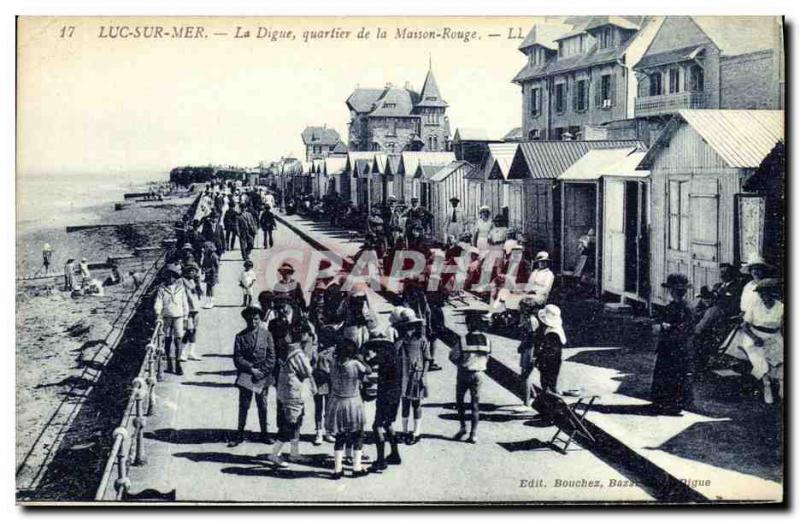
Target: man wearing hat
(172,308)
(670,384)
(455,224)
(287,286)
(213,232)
(254,359)
(229,220)
(416,217)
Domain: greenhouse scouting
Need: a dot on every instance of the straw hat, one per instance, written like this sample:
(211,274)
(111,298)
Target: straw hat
(484,209)
(550,315)
(455,200)
(187,246)
(408,318)
(677,281)
(542,256)
(286,267)
(756,261)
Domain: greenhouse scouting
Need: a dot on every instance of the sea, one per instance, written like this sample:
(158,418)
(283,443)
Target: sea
(47,203)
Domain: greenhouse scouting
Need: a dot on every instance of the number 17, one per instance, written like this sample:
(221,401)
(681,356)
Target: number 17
(67,31)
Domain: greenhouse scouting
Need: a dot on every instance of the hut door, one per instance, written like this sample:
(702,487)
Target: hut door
(704,232)
(579,218)
(677,236)
(515,207)
(614,237)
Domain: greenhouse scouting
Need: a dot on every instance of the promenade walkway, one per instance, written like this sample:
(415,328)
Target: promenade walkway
(712,445)
(185,440)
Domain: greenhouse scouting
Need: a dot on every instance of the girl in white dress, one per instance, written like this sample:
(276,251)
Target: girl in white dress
(763,336)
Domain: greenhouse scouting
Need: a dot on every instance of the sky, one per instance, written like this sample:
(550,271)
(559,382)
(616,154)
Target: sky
(92,104)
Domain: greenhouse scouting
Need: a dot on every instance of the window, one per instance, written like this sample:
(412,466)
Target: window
(656,87)
(390,146)
(536,101)
(435,143)
(581,100)
(605,94)
(390,105)
(534,134)
(606,38)
(678,215)
(572,46)
(697,78)
(674,80)
(392,131)
(561,91)
(430,142)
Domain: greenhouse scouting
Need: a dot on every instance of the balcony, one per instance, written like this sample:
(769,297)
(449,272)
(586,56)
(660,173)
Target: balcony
(669,103)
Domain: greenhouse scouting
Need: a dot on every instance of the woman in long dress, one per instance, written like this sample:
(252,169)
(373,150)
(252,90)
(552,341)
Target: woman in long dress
(763,336)
(482,229)
(673,353)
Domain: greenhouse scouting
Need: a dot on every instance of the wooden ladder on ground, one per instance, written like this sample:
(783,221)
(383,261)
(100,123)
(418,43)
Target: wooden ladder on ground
(576,423)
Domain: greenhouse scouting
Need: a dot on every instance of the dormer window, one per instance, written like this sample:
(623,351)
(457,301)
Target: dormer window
(572,46)
(605,38)
(390,105)
(430,98)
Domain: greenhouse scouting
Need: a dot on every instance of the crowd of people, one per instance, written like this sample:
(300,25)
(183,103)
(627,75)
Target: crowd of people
(333,344)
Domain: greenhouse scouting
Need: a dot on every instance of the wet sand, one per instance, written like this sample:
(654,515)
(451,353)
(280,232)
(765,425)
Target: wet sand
(57,334)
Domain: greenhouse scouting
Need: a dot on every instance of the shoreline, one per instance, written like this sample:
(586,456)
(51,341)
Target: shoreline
(58,335)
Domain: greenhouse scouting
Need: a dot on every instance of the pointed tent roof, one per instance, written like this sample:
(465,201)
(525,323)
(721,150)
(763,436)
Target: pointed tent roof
(392,164)
(430,95)
(379,162)
(352,157)
(498,162)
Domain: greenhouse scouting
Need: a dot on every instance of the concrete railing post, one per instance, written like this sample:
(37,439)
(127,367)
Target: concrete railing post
(122,484)
(151,379)
(139,422)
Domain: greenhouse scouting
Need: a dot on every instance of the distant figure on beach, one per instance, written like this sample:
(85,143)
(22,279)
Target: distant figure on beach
(69,275)
(86,274)
(47,256)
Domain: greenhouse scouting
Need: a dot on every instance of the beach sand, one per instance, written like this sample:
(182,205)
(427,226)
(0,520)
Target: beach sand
(57,334)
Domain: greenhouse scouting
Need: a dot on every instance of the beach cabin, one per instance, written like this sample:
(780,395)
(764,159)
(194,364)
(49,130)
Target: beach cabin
(698,166)
(444,184)
(474,183)
(423,175)
(378,180)
(409,161)
(499,195)
(362,176)
(392,182)
(349,190)
(319,182)
(765,201)
(332,170)
(605,196)
(538,165)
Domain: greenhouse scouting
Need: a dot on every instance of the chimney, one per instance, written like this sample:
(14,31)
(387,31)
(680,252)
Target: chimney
(408,85)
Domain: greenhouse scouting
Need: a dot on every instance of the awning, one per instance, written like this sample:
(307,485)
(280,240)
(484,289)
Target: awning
(599,163)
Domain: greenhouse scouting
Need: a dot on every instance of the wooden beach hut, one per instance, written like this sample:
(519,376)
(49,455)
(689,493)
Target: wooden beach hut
(409,161)
(444,184)
(539,164)
(604,193)
(698,167)
(332,173)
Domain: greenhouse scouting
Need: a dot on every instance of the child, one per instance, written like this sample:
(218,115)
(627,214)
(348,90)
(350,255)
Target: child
(550,342)
(471,355)
(344,417)
(191,279)
(171,308)
(247,281)
(293,369)
(389,365)
(416,358)
(211,270)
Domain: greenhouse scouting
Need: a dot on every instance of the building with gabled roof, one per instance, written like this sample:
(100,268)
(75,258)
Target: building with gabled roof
(320,142)
(395,119)
(699,62)
(580,74)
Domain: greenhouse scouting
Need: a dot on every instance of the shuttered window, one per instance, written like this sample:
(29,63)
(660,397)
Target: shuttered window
(561,93)
(581,95)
